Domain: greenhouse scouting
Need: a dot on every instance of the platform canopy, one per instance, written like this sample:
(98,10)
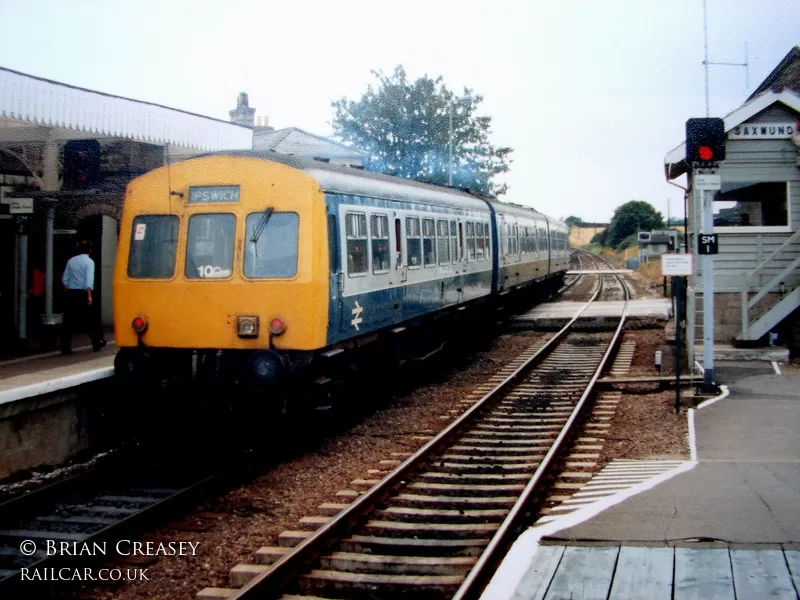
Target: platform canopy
(34,110)
(675,160)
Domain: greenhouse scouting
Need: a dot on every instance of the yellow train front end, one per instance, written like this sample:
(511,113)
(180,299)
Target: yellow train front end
(221,275)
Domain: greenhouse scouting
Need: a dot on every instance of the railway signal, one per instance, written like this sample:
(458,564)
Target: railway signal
(705,140)
(705,148)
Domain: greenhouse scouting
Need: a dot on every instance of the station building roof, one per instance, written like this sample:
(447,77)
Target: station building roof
(781,85)
(33,109)
(785,76)
(298,142)
(675,160)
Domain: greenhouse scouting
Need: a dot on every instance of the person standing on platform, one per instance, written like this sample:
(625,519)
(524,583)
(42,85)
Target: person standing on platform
(78,283)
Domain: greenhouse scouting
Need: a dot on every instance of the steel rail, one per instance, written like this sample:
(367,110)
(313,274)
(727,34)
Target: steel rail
(480,574)
(21,508)
(269,584)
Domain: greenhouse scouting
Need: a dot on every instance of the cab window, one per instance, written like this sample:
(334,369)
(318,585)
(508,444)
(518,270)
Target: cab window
(270,249)
(154,241)
(209,246)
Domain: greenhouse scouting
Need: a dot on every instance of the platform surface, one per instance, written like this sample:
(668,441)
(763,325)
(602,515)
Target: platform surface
(650,573)
(657,308)
(730,520)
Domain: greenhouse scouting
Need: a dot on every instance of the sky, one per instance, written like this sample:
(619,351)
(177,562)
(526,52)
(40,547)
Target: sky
(590,94)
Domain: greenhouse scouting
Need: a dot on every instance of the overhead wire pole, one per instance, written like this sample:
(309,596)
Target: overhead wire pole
(706,62)
(450,147)
(705,47)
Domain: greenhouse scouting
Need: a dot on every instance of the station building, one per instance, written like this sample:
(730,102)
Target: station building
(66,156)
(756,216)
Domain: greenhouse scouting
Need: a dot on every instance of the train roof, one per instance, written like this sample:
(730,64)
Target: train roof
(350,180)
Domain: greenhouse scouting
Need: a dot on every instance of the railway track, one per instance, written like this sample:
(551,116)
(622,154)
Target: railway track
(437,525)
(80,521)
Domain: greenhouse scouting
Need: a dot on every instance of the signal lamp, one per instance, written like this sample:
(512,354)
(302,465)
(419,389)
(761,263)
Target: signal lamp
(277,326)
(705,153)
(247,326)
(139,325)
(705,140)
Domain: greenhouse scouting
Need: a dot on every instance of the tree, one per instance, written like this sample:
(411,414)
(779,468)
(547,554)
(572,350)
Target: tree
(632,217)
(408,127)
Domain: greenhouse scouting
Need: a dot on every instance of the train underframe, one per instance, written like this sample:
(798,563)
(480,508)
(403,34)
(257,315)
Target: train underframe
(168,392)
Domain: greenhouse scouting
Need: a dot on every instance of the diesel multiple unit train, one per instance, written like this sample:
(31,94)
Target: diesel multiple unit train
(251,268)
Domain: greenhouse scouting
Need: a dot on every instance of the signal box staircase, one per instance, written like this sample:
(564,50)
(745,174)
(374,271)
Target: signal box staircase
(766,319)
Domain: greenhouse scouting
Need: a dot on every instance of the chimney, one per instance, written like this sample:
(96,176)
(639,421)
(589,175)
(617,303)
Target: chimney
(243,114)
(262,123)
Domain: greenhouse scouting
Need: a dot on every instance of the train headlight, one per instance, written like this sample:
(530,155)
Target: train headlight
(247,326)
(139,325)
(277,326)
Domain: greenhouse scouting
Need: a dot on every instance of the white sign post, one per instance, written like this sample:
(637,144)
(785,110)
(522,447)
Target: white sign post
(676,265)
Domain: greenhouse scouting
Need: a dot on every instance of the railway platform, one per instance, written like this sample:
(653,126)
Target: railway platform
(40,373)
(723,524)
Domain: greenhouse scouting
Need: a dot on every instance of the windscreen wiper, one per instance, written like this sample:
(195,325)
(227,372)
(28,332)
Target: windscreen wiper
(262,224)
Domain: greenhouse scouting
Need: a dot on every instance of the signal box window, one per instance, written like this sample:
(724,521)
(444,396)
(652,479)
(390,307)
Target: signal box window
(413,242)
(379,225)
(356,234)
(443,242)
(209,246)
(428,242)
(154,241)
(752,204)
(270,249)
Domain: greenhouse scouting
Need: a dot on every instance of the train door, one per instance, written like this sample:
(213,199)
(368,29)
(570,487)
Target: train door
(398,256)
(462,253)
(380,251)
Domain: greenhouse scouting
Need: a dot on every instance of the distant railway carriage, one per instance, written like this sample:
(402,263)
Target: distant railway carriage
(246,267)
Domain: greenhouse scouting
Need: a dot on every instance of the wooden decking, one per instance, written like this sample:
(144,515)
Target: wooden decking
(655,573)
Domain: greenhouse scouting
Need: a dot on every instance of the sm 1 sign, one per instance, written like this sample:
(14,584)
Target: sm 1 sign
(707,243)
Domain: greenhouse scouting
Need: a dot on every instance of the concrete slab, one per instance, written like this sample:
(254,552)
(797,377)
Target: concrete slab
(727,352)
(652,308)
(744,489)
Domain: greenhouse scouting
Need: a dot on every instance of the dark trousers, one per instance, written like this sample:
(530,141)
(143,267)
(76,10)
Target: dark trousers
(78,315)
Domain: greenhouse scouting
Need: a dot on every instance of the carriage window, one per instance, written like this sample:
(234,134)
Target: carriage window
(356,233)
(428,242)
(209,246)
(479,243)
(153,246)
(379,226)
(487,242)
(274,252)
(443,242)
(453,242)
(471,241)
(413,242)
